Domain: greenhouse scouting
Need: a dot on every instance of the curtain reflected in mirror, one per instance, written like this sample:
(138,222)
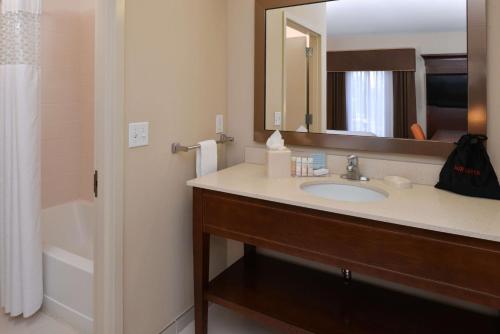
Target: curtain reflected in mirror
(336,104)
(369,104)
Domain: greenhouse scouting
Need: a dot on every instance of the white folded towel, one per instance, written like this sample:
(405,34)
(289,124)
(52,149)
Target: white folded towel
(206,158)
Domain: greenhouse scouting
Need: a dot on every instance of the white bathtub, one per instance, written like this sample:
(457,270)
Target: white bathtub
(68,263)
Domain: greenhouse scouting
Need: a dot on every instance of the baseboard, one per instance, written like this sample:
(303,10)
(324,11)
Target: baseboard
(181,322)
(184,320)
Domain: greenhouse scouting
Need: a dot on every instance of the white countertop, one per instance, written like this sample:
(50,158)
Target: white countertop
(421,206)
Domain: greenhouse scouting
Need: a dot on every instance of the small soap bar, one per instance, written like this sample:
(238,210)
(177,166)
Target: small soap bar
(398,182)
(278,163)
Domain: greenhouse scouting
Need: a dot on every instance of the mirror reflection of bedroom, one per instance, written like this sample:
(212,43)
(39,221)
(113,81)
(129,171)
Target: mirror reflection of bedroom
(386,68)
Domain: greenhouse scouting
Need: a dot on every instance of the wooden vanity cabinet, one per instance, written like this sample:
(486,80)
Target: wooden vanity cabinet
(297,299)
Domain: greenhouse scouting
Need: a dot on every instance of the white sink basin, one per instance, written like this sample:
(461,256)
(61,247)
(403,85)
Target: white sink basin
(345,192)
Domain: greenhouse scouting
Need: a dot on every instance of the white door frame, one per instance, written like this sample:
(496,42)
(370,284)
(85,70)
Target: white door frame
(109,161)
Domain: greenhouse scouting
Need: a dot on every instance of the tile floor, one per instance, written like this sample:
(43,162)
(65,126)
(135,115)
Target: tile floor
(38,324)
(223,321)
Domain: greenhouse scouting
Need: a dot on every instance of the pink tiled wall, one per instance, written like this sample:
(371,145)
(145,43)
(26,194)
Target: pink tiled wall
(67,101)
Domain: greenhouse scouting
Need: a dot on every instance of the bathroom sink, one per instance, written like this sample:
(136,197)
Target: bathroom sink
(345,192)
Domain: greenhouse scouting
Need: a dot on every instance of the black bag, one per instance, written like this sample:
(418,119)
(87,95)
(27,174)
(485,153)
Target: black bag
(469,171)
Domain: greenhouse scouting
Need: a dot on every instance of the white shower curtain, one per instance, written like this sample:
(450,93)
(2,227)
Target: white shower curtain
(21,287)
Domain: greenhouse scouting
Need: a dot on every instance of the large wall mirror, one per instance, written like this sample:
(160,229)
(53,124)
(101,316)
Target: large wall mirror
(381,75)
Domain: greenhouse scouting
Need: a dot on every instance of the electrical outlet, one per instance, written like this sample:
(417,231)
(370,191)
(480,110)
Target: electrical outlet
(277,118)
(138,134)
(219,124)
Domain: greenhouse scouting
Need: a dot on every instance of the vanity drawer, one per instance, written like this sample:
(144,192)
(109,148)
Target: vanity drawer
(455,266)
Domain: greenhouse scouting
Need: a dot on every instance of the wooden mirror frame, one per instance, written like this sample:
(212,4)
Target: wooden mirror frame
(476,45)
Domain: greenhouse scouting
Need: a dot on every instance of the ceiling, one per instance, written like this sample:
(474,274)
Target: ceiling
(353,17)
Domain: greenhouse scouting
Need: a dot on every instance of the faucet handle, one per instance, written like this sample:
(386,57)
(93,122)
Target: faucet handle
(352,160)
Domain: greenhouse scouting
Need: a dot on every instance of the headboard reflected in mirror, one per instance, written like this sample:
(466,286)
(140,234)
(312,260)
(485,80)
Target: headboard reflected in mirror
(371,75)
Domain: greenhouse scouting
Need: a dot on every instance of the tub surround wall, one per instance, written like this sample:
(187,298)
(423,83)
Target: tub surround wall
(70,227)
(67,101)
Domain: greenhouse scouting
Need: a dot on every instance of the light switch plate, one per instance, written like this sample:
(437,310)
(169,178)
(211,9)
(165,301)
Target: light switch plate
(138,134)
(219,123)
(277,118)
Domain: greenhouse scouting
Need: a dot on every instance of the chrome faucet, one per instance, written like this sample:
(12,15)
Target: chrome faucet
(353,170)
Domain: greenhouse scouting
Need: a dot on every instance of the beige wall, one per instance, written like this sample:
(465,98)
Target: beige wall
(176,79)
(494,82)
(425,43)
(67,101)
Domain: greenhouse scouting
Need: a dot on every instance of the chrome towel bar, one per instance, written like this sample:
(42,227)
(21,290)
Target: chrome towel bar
(176,147)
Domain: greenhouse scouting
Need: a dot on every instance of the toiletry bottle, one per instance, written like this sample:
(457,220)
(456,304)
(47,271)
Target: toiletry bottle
(310,165)
(293,166)
(298,167)
(304,166)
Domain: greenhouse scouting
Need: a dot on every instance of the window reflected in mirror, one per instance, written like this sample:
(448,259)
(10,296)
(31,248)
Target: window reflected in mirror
(381,68)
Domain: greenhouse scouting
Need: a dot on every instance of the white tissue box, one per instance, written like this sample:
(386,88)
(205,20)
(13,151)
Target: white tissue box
(279,163)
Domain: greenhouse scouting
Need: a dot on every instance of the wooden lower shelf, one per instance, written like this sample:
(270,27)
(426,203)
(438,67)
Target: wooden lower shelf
(296,299)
